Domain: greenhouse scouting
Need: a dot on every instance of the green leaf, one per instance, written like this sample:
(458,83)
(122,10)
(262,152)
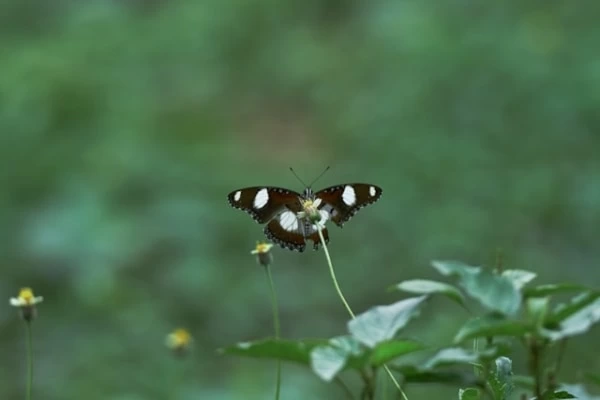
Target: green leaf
(519,277)
(412,374)
(491,325)
(345,352)
(389,350)
(458,356)
(496,292)
(381,323)
(537,308)
(578,391)
(327,360)
(552,289)
(469,394)
(564,311)
(422,286)
(577,323)
(456,268)
(562,394)
(594,378)
(286,350)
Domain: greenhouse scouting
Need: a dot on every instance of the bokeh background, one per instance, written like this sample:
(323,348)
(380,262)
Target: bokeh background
(124,124)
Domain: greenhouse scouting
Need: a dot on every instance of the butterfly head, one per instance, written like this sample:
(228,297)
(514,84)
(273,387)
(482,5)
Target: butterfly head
(308,194)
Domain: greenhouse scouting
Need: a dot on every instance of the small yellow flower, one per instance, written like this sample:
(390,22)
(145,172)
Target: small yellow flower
(179,341)
(26,301)
(263,253)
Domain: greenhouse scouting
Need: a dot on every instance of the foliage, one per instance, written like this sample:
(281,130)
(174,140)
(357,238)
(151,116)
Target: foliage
(513,314)
(124,123)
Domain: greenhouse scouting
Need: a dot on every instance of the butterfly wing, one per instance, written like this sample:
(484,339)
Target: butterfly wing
(288,231)
(343,201)
(264,203)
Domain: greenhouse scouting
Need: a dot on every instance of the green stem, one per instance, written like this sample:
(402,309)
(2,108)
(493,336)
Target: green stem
(29,361)
(341,296)
(276,327)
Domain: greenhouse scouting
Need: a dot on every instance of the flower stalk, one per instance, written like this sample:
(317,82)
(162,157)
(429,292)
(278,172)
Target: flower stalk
(341,296)
(264,258)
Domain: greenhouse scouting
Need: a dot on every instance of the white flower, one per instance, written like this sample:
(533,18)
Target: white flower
(25,298)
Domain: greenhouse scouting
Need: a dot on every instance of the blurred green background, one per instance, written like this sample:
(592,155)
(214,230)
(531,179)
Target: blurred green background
(124,124)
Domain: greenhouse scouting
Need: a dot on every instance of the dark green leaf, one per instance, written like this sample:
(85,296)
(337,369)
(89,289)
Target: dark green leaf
(381,323)
(579,391)
(552,289)
(469,394)
(412,374)
(519,277)
(562,394)
(389,350)
(594,378)
(286,350)
(327,360)
(422,286)
(491,326)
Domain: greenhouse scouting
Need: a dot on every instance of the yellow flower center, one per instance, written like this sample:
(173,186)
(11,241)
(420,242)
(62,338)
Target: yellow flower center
(262,248)
(179,338)
(26,295)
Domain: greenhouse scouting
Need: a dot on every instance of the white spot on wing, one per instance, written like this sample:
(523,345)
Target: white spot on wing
(237,195)
(372,191)
(288,221)
(261,199)
(349,195)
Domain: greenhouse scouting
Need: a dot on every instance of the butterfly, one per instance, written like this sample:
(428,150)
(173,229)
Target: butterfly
(279,209)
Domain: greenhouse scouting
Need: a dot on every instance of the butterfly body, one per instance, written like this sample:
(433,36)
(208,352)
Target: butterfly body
(282,210)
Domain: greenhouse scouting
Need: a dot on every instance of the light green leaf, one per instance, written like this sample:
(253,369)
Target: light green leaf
(285,350)
(422,286)
(519,277)
(458,356)
(456,268)
(491,326)
(327,360)
(578,391)
(564,311)
(496,292)
(345,352)
(537,308)
(469,394)
(381,323)
(577,323)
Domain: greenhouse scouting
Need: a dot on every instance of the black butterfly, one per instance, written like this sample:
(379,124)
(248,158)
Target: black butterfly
(279,208)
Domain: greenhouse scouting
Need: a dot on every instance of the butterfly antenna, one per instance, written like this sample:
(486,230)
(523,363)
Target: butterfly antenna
(297,177)
(318,177)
